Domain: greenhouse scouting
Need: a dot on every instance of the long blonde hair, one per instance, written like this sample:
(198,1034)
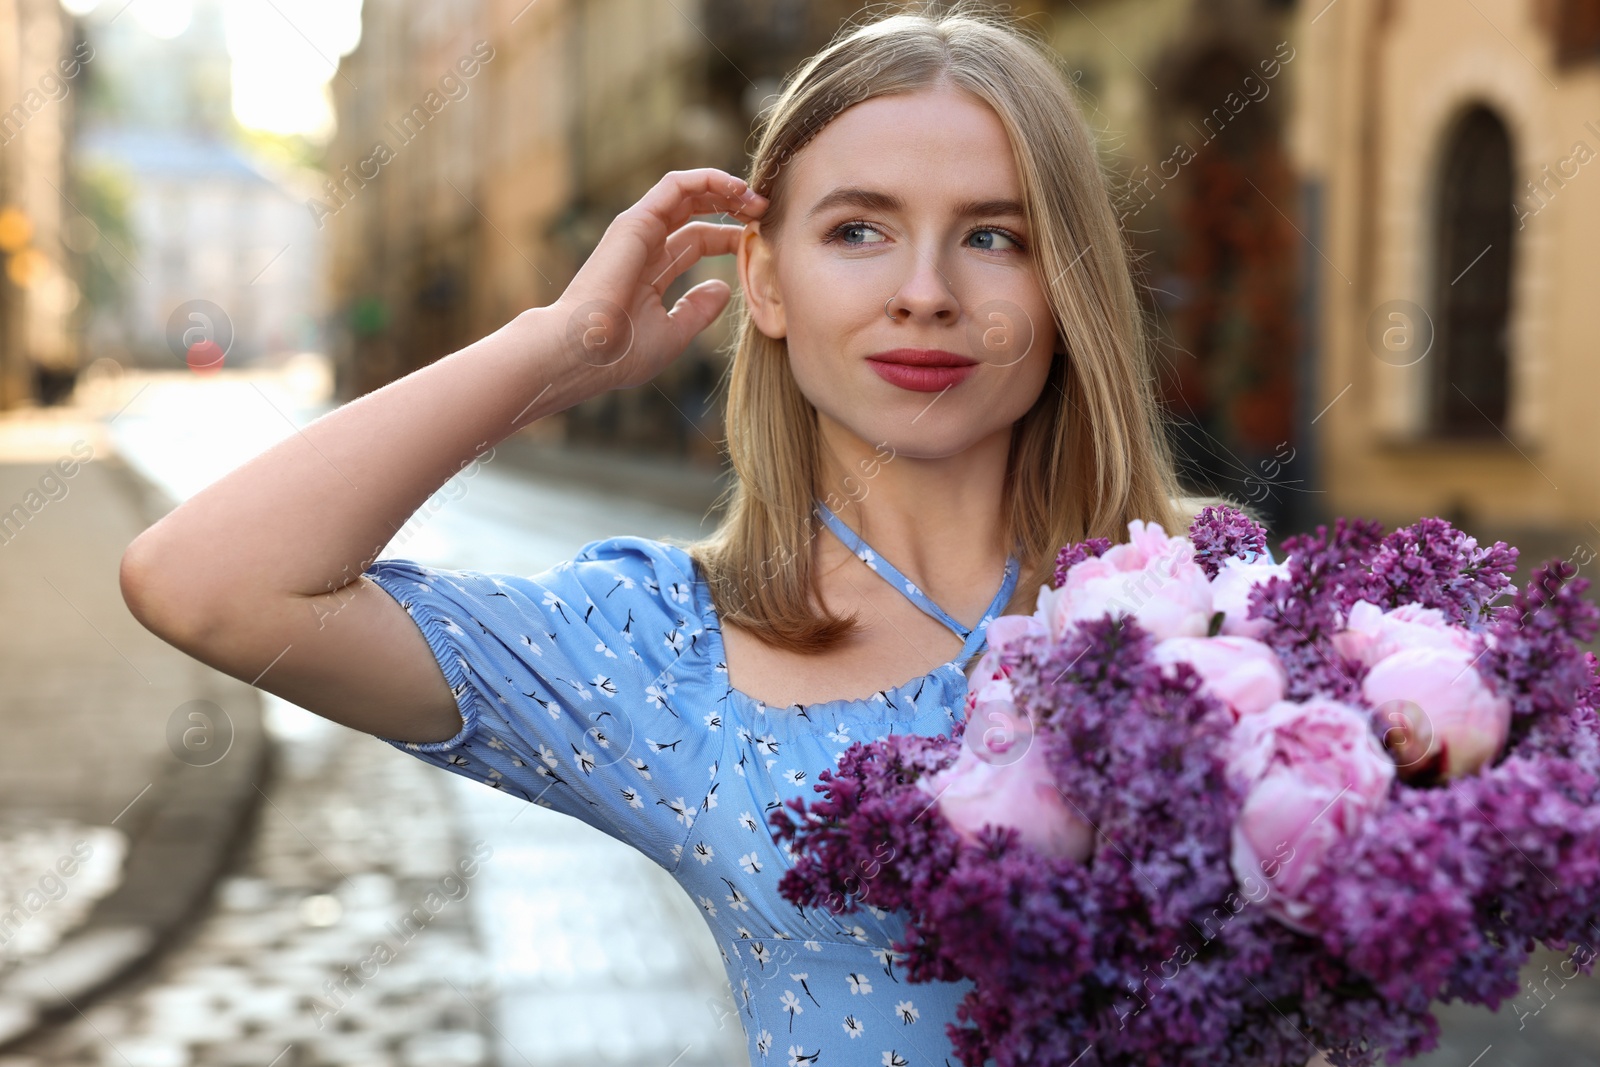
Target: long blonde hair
(1090,454)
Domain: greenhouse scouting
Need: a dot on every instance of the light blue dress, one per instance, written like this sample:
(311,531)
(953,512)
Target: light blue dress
(599,688)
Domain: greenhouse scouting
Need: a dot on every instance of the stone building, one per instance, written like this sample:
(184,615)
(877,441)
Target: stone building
(1453,148)
(404,168)
(218,246)
(42,63)
(1369,229)
(221,251)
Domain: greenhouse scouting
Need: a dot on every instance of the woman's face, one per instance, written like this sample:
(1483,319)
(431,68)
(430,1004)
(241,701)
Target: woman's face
(902,228)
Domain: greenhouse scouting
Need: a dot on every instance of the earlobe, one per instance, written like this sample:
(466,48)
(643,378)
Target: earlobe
(757,276)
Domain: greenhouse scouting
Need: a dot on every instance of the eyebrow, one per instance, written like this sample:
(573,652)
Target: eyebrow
(873,200)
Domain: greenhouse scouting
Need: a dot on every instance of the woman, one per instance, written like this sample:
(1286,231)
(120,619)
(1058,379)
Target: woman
(925,190)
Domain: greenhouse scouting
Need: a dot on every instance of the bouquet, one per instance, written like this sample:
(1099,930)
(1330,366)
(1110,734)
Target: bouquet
(1208,808)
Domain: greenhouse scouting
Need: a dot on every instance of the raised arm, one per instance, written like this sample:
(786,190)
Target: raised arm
(259,574)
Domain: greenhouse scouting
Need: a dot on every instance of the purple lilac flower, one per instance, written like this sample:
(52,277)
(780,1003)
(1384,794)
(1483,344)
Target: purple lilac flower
(1220,532)
(1327,574)
(870,800)
(1575,735)
(1433,564)
(1532,658)
(1076,553)
(1123,739)
(1445,892)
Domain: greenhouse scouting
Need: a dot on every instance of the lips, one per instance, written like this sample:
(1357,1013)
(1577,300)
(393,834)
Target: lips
(922,370)
(922,357)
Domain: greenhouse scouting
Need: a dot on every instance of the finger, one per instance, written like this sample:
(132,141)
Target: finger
(697,309)
(744,206)
(680,195)
(740,201)
(693,242)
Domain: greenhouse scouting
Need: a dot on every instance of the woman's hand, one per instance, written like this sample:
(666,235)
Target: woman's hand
(612,310)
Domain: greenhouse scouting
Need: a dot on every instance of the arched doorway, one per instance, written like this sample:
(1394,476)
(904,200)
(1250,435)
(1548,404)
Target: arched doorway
(1472,262)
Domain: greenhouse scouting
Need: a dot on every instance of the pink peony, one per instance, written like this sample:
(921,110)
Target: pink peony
(1230,593)
(1005,629)
(1311,774)
(989,680)
(1370,633)
(1152,577)
(1244,674)
(1001,779)
(1441,719)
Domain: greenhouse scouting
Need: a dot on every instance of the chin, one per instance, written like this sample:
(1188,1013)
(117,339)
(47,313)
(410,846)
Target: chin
(949,436)
(914,425)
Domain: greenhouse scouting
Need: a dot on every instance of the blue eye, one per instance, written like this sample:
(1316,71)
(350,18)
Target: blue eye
(847,227)
(1004,235)
(839,232)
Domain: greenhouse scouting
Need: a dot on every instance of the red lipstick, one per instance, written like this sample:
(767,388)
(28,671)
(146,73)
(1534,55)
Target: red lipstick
(923,370)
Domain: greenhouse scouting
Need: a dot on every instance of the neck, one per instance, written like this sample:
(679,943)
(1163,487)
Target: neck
(936,519)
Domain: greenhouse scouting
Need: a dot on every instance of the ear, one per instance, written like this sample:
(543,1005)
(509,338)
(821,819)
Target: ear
(758,276)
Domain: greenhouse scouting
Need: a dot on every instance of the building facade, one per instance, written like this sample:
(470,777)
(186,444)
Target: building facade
(220,246)
(215,243)
(1460,237)
(42,69)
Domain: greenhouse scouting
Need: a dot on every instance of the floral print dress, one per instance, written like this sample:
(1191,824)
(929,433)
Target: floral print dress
(599,688)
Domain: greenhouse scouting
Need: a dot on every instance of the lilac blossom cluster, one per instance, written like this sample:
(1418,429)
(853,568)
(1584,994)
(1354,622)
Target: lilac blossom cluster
(1433,564)
(1218,533)
(1072,555)
(1314,798)
(1326,577)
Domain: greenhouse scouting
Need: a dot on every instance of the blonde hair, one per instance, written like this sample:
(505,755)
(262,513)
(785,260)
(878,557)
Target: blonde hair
(1087,458)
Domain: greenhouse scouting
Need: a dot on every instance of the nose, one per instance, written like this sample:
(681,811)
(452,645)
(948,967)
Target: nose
(926,295)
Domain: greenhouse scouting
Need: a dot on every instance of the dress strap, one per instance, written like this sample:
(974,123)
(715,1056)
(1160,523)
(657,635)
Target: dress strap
(973,636)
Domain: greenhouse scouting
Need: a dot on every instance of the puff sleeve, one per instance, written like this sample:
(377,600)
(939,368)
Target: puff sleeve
(566,687)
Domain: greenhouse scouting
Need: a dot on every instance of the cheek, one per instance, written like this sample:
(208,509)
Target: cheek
(830,324)
(810,374)
(829,301)
(1019,365)
(1009,392)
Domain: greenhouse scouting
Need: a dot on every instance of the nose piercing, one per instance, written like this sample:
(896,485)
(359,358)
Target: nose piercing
(886,308)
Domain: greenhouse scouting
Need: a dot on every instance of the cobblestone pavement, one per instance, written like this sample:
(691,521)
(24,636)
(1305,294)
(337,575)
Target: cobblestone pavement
(586,960)
(52,872)
(355,848)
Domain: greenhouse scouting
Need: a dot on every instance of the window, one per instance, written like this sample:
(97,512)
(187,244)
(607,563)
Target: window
(1472,278)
